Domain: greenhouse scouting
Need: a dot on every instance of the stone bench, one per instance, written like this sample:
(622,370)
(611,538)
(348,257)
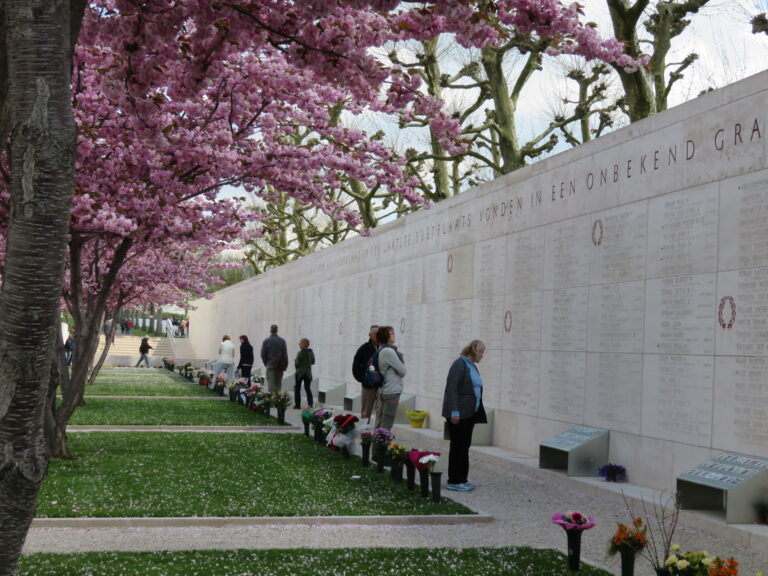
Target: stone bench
(353,401)
(331,392)
(482,435)
(407,402)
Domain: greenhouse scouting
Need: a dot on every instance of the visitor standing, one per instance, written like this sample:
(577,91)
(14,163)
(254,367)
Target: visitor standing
(226,359)
(144,349)
(246,358)
(359,366)
(69,347)
(303,364)
(392,367)
(274,354)
(462,409)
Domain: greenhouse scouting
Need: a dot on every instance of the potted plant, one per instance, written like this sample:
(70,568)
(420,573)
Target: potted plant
(574,523)
(628,541)
(366,439)
(613,472)
(699,563)
(281,401)
(397,454)
(382,438)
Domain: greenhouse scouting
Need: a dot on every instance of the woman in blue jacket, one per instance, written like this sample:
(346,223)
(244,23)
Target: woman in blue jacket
(462,409)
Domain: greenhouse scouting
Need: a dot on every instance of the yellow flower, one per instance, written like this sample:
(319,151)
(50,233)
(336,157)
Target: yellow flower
(671,560)
(704,553)
(706,561)
(683,564)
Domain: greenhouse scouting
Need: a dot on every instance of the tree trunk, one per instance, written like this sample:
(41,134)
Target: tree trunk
(37,51)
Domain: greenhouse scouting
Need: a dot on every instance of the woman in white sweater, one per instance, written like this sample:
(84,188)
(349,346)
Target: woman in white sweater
(226,360)
(392,367)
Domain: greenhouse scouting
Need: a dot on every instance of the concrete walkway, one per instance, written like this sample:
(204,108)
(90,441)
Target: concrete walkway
(512,490)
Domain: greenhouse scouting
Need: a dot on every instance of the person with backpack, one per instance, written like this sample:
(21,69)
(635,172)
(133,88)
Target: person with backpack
(392,367)
(144,349)
(359,366)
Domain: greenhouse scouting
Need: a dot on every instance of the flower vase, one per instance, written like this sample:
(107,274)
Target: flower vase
(662,571)
(380,465)
(306,429)
(627,561)
(410,473)
(435,478)
(318,431)
(280,415)
(424,482)
(396,471)
(345,453)
(323,437)
(574,549)
(366,454)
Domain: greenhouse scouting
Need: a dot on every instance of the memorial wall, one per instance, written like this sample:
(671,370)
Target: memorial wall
(622,285)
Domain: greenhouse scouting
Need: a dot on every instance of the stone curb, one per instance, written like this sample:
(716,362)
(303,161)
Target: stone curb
(217,522)
(250,429)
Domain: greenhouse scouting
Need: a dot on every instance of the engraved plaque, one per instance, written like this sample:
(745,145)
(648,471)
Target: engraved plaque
(520,382)
(490,268)
(616,317)
(562,386)
(680,315)
(682,235)
(564,319)
(488,320)
(525,261)
(744,223)
(614,391)
(618,240)
(741,312)
(741,398)
(677,398)
(522,321)
(566,256)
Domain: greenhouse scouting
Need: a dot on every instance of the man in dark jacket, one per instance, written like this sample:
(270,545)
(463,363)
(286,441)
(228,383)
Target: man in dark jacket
(274,354)
(359,366)
(144,349)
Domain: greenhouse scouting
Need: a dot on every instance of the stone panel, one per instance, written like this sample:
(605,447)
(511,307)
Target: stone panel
(616,317)
(522,321)
(614,391)
(618,237)
(743,239)
(741,312)
(562,386)
(520,382)
(564,319)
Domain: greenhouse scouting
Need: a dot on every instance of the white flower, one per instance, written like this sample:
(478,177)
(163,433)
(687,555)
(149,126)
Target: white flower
(671,560)
(707,561)
(683,564)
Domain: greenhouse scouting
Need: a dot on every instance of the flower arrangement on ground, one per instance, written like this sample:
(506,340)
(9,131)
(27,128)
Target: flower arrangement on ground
(308,416)
(629,537)
(345,423)
(574,520)
(415,456)
(397,452)
(281,400)
(366,438)
(613,472)
(382,437)
(321,415)
(699,563)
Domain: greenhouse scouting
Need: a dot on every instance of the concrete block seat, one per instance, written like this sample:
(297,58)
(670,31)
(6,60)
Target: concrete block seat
(331,392)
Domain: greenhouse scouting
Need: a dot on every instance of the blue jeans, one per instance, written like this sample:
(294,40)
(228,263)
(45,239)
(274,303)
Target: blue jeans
(144,358)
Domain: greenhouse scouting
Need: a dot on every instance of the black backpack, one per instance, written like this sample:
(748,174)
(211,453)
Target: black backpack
(373,378)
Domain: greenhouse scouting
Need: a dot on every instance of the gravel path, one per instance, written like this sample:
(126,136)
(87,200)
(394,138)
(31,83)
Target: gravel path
(511,488)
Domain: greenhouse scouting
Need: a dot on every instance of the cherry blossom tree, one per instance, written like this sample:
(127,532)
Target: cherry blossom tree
(175,99)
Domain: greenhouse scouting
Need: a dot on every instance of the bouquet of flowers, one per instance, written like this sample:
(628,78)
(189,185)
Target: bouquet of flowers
(613,472)
(629,538)
(382,437)
(281,400)
(308,416)
(429,460)
(397,452)
(345,423)
(574,520)
(321,415)
(699,564)
(366,438)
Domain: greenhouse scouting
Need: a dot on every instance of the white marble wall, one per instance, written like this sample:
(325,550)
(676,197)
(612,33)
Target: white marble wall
(623,284)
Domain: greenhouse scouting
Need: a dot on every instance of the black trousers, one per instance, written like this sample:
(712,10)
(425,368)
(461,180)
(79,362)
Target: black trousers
(458,455)
(297,390)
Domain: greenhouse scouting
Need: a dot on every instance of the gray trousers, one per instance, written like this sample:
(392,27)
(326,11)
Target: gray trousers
(274,379)
(386,410)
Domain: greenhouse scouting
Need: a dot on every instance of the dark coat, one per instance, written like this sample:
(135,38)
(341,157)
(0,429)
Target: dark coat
(144,347)
(246,354)
(459,392)
(274,352)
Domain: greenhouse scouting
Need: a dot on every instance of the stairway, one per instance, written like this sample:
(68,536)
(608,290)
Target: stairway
(125,350)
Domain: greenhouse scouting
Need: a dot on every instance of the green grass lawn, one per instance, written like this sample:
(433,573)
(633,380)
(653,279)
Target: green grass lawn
(167,412)
(138,474)
(143,382)
(302,562)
